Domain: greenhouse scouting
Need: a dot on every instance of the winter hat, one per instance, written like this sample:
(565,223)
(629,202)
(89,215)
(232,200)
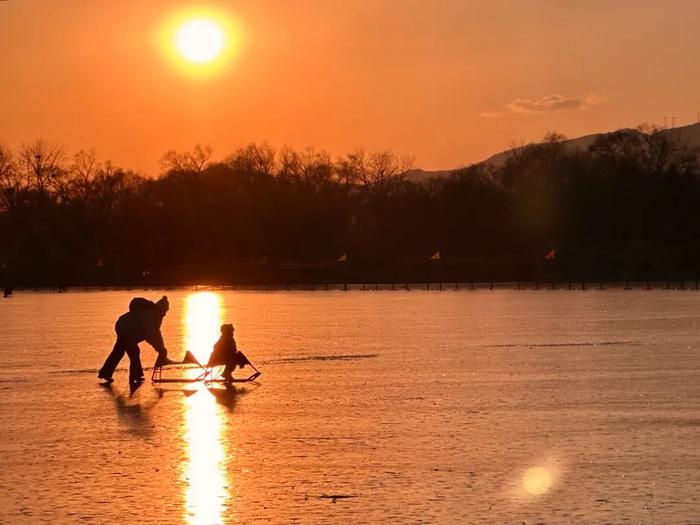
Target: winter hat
(162,304)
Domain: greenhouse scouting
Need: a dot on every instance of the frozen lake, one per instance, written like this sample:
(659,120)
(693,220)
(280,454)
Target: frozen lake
(438,407)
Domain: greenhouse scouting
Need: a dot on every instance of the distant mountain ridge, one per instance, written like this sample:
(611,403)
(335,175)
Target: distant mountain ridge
(686,135)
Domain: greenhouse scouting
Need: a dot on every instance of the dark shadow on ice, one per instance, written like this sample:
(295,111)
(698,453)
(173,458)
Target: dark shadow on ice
(133,415)
(228,395)
(187,392)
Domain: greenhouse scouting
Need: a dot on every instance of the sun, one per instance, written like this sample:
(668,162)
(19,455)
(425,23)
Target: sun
(200,40)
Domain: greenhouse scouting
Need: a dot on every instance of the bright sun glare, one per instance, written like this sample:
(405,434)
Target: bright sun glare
(202,320)
(200,41)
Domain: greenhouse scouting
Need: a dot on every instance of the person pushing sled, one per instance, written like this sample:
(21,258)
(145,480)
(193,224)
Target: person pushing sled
(142,323)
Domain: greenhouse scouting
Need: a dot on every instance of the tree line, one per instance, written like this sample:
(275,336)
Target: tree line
(628,207)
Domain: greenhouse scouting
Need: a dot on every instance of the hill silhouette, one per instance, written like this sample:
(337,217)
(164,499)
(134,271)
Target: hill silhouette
(688,136)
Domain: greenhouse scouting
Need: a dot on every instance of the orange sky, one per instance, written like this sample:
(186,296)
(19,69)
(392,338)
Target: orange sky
(447,81)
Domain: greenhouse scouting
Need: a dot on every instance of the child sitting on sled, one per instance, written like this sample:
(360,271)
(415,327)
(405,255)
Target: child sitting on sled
(226,353)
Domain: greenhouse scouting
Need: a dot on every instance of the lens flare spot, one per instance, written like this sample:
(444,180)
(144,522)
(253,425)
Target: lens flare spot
(537,481)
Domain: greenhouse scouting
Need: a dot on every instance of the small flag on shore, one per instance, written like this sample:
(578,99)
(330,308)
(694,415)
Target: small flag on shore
(551,255)
(435,256)
(343,258)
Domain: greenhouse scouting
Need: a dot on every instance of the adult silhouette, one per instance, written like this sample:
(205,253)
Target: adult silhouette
(141,323)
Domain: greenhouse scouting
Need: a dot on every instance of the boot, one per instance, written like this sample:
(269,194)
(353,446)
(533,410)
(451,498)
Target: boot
(105,377)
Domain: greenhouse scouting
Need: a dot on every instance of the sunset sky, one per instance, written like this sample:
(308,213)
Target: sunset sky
(447,81)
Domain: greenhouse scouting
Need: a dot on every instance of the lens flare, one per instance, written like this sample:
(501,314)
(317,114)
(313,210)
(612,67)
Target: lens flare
(537,481)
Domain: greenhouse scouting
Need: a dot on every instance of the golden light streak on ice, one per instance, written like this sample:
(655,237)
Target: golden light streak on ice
(205,472)
(202,323)
(207,486)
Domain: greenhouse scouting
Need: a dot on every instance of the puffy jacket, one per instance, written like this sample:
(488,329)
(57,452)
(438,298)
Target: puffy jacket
(142,325)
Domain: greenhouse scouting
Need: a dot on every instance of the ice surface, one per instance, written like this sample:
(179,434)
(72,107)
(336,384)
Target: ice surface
(445,407)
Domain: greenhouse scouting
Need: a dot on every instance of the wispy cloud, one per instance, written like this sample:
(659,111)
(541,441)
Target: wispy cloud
(491,114)
(545,104)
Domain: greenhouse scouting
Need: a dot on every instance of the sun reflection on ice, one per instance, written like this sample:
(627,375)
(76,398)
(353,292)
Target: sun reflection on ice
(205,473)
(202,321)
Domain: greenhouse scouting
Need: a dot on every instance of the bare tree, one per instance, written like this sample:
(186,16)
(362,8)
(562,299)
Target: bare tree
(386,169)
(317,166)
(649,148)
(83,170)
(619,147)
(311,166)
(254,158)
(516,152)
(194,161)
(289,162)
(381,171)
(43,166)
(10,179)
(552,148)
(351,169)
(663,150)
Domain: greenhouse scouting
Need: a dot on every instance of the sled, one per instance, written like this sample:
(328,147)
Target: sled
(206,375)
